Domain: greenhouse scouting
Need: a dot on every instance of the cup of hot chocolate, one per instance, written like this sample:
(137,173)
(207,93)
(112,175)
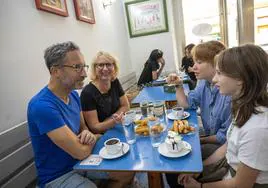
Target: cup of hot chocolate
(113,145)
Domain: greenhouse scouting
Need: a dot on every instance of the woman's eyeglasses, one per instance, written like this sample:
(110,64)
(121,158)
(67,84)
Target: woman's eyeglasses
(101,65)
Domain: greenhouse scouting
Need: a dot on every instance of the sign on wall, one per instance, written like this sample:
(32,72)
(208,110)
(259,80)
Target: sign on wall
(146,17)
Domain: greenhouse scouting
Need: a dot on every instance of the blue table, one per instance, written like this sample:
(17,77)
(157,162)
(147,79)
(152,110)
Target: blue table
(160,82)
(142,157)
(152,94)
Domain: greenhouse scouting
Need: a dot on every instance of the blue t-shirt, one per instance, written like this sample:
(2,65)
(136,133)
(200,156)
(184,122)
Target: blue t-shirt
(47,112)
(215,109)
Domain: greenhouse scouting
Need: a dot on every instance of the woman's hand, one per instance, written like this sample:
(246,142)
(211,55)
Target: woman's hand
(86,137)
(161,61)
(181,177)
(118,117)
(190,182)
(174,79)
(190,69)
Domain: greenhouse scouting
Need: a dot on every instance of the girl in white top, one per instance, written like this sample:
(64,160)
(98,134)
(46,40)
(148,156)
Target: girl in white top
(242,73)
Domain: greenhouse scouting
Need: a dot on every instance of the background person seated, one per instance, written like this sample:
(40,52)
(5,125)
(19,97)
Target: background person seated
(152,68)
(187,64)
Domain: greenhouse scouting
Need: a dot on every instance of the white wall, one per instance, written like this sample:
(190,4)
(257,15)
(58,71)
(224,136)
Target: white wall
(141,47)
(24,34)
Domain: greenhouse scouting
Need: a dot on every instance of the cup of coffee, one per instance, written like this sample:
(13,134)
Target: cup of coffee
(178,112)
(112,146)
(174,144)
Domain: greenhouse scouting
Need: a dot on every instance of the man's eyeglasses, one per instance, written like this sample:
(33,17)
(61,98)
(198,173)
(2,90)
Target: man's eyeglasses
(101,65)
(77,67)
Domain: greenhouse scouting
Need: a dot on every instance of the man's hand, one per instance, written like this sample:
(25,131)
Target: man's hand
(86,137)
(174,79)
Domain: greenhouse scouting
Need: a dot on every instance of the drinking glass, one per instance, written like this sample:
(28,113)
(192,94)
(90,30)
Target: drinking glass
(156,131)
(144,108)
(128,126)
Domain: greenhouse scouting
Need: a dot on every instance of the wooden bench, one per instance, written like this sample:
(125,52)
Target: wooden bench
(17,167)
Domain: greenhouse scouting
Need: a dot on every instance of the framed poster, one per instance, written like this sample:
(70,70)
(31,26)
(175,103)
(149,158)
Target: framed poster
(84,11)
(58,7)
(146,17)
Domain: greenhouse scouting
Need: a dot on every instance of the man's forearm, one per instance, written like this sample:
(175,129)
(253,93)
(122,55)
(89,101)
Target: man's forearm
(181,97)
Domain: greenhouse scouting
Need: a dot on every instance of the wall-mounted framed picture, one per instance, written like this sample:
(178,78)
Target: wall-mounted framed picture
(84,11)
(58,7)
(146,17)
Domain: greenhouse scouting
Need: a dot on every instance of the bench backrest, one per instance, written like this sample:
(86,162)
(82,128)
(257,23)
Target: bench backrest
(16,157)
(128,80)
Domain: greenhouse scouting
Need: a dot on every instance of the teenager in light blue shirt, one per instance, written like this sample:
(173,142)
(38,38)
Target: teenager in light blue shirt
(215,108)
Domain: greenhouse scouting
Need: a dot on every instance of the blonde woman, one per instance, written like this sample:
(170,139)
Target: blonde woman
(103,99)
(103,103)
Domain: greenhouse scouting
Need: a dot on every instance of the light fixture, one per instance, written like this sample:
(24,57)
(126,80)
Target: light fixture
(107,3)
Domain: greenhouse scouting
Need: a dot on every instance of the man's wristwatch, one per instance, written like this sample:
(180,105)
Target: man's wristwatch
(180,85)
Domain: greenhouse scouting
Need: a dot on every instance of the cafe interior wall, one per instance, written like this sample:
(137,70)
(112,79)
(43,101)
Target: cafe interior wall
(168,42)
(24,34)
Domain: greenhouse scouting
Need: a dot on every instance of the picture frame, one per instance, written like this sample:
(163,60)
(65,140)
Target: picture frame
(84,11)
(146,17)
(58,7)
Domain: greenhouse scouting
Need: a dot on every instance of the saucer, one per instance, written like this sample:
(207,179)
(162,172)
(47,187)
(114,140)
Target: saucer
(103,152)
(172,117)
(162,149)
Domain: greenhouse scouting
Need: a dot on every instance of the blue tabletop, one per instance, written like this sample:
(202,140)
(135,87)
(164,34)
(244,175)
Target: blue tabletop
(152,94)
(162,81)
(143,157)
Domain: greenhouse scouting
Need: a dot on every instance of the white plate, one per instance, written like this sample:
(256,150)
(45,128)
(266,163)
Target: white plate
(103,153)
(172,117)
(138,117)
(162,149)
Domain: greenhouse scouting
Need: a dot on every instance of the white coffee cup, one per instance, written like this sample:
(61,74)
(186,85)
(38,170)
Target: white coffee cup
(174,144)
(178,112)
(113,146)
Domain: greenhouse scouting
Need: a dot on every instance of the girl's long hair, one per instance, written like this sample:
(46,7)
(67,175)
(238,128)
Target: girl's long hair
(249,64)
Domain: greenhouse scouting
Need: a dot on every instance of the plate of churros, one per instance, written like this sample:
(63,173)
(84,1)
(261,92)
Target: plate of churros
(142,127)
(182,127)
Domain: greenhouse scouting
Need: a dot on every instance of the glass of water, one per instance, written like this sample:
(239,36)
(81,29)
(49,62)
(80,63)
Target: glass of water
(156,131)
(128,126)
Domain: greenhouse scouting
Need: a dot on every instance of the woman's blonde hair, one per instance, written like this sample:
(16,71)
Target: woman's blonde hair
(207,51)
(110,59)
